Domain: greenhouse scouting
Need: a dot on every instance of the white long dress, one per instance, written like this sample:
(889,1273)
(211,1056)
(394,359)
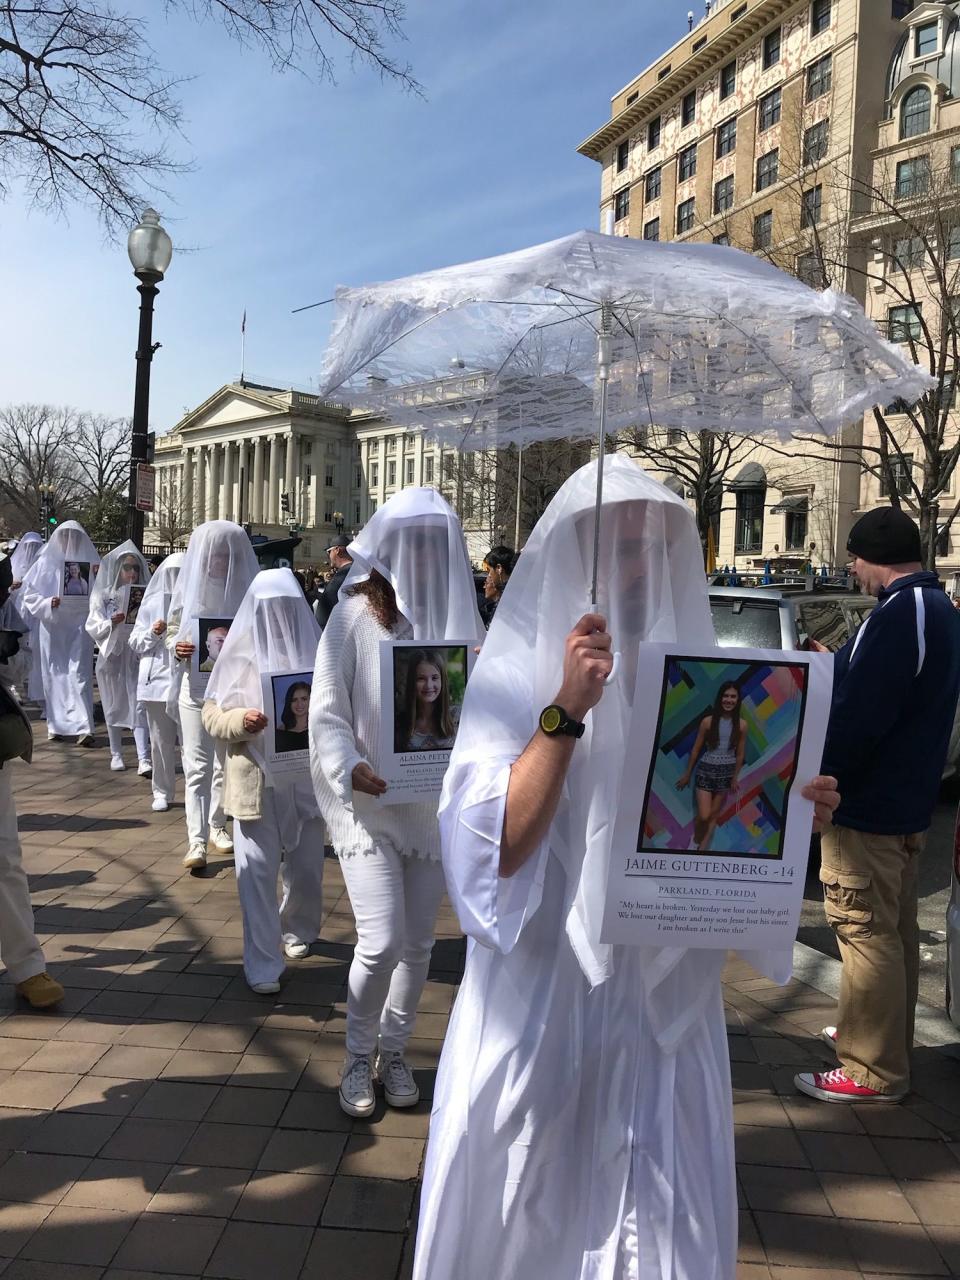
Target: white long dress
(118,666)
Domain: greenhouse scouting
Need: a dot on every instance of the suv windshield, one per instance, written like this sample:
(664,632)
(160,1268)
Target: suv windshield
(747,624)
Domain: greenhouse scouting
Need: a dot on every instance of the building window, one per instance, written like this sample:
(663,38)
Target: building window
(913,177)
(688,109)
(816,141)
(901,471)
(820,17)
(771,49)
(356,513)
(738,13)
(357,477)
(953,242)
(698,44)
(328,477)
(763,230)
(686,213)
(727,138)
(926,39)
(408,471)
(955,166)
(723,195)
(768,113)
(908,252)
(623,156)
(391,444)
(687,164)
(795,527)
(621,204)
(812,208)
(903,323)
(651,229)
(631,98)
(654,131)
(728,80)
(664,72)
(819,77)
(900,8)
(391,474)
(653,184)
(915,112)
(467,506)
(768,169)
(428,471)
(374,473)
(449,466)
(328,514)
(749,530)
(722,239)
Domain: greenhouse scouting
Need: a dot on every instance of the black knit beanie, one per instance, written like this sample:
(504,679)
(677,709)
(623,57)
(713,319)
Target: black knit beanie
(885,535)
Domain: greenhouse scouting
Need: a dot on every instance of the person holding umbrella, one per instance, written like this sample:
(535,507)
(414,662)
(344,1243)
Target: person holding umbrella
(340,562)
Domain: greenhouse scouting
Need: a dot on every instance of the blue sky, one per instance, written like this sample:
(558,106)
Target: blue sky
(297,187)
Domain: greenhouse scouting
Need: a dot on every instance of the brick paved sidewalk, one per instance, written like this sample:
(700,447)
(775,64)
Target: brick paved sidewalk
(167,1122)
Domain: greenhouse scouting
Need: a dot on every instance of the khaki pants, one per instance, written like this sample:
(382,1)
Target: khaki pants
(870,897)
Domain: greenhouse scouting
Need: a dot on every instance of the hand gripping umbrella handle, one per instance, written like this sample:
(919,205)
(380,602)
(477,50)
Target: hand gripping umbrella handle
(614,670)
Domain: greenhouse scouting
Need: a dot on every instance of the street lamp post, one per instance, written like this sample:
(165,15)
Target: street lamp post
(150,250)
(338,522)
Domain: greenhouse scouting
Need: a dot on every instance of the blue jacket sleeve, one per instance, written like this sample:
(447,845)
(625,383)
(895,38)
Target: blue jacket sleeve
(871,686)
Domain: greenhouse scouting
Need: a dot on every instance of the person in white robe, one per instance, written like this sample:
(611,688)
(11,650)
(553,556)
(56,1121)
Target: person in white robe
(26,671)
(278,830)
(66,650)
(582,1121)
(117,665)
(218,566)
(155,674)
(410,579)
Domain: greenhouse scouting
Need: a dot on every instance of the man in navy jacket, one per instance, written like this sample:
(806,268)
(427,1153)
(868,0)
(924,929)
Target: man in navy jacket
(896,685)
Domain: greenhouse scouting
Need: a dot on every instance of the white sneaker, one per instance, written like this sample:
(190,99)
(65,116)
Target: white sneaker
(196,856)
(144,769)
(160,804)
(399,1087)
(356,1086)
(264,988)
(220,839)
(296,950)
(116,762)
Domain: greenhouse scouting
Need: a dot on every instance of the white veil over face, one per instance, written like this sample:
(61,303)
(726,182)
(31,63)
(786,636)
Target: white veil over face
(652,587)
(44,579)
(218,566)
(121,567)
(156,599)
(25,554)
(415,541)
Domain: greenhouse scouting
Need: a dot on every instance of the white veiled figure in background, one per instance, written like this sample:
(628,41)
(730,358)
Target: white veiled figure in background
(117,664)
(278,829)
(410,579)
(66,651)
(26,665)
(155,677)
(218,566)
(582,1109)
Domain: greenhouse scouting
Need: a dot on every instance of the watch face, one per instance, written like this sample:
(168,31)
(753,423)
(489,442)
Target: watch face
(550,720)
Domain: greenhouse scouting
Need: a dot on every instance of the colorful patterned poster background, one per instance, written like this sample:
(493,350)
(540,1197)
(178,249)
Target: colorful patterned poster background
(772,701)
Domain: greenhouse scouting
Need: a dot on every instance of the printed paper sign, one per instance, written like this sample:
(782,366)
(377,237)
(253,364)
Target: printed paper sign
(78,578)
(713,836)
(208,635)
(134,600)
(286,704)
(422,686)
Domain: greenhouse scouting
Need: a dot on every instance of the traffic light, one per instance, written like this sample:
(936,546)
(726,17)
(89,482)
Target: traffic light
(48,516)
(285,503)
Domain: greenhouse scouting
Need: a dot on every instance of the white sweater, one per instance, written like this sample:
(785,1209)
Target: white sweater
(345,731)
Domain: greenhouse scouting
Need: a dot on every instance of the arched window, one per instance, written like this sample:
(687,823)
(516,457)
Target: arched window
(915,112)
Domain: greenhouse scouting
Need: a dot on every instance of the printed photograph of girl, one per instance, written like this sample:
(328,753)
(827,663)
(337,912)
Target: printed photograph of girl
(428,693)
(291,702)
(76,578)
(725,756)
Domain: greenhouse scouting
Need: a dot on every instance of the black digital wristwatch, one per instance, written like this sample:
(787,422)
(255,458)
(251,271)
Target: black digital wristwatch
(555,721)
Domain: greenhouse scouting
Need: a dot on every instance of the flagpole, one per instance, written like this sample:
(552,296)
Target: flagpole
(243,344)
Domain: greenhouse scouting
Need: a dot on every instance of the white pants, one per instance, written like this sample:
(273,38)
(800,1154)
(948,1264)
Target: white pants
(163,749)
(19,948)
(202,773)
(141,735)
(395,902)
(259,858)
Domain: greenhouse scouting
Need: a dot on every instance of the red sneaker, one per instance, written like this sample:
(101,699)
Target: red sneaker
(836,1086)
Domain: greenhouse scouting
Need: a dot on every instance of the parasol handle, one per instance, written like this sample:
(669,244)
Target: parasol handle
(614,670)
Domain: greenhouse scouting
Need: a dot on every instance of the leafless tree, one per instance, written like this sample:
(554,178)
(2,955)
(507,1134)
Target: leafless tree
(80,88)
(172,520)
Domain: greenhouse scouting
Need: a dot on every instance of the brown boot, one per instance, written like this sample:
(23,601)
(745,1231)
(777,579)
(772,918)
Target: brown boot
(41,991)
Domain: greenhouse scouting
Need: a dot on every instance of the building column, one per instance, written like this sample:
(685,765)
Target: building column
(273,491)
(291,469)
(212,504)
(227,506)
(256,498)
(200,485)
(242,511)
(186,488)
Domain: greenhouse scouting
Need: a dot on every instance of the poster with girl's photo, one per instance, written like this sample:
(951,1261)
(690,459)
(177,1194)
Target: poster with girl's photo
(208,635)
(78,576)
(422,688)
(286,703)
(713,835)
(135,596)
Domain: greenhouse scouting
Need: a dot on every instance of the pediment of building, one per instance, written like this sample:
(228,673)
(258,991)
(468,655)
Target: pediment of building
(233,404)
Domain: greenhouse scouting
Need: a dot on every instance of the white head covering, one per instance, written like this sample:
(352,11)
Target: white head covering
(156,599)
(218,566)
(652,587)
(415,541)
(25,554)
(105,594)
(44,579)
